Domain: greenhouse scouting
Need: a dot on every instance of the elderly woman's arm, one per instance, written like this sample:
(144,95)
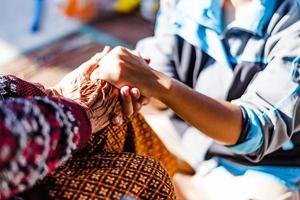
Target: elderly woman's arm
(39,127)
(36,133)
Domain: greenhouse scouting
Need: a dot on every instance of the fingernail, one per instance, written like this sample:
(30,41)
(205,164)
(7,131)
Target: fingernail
(118,120)
(134,91)
(126,92)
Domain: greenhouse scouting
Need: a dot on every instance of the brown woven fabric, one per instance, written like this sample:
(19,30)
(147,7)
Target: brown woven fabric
(119,162)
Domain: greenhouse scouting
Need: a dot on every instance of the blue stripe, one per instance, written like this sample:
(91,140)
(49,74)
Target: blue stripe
(205,39)
(293,93)
(254,139)
(295,71)
(206,13)
(289,145)
(289,176)
(269,8)
(252,59)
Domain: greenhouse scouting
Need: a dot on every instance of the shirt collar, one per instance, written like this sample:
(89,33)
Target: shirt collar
(208,13)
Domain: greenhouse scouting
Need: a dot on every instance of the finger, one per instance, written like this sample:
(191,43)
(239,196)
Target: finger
(100,55)
(134,52)
(144,100)
(111,59)
(134,60)
(95,75)
(93,63)
(137,107)
(135,93)
(106,49)
(138,54)
(118,119)
(126,101)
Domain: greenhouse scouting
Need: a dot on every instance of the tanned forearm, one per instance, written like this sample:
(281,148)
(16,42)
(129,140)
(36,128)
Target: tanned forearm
(217,119)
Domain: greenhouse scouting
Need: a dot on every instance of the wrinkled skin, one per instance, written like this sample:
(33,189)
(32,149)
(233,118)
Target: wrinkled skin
(99,99)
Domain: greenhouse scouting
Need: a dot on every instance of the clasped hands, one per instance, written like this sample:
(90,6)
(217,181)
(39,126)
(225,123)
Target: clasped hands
(103,102)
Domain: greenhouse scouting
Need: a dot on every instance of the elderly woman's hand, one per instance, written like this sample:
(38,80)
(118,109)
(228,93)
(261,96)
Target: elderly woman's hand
(111,70)
(99,99)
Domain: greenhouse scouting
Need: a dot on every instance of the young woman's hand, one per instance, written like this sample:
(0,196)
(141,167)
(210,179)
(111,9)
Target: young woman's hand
(132,100)
(122,67)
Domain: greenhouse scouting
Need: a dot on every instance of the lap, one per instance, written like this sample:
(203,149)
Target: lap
(110,176)
(214,183)
(118,162)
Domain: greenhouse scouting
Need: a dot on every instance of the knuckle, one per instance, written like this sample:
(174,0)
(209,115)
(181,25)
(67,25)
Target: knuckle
(119,57)
(119,49)
(97,56)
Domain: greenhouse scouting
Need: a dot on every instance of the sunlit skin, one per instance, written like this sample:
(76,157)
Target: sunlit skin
(218,119)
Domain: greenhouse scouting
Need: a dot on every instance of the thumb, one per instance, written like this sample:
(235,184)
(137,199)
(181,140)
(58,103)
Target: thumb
(93,63)
(97,75)
(98,56)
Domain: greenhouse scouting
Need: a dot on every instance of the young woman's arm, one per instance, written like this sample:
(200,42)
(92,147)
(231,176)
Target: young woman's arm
(220,120)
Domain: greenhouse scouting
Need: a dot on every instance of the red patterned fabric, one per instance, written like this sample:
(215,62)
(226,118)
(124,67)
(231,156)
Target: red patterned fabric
(37,133)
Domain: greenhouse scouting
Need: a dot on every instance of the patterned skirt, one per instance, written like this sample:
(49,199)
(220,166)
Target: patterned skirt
(119,162)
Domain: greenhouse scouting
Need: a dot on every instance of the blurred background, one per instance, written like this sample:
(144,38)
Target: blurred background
(42,40)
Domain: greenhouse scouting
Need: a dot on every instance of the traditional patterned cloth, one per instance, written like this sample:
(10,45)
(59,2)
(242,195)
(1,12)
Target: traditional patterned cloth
(118,162)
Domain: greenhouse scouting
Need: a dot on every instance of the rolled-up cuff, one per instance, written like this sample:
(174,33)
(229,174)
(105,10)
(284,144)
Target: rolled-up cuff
(251,137)
(84,124)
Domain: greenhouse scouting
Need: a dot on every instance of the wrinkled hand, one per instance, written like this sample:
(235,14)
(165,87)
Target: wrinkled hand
(114,69)
(125,68)
(98,98)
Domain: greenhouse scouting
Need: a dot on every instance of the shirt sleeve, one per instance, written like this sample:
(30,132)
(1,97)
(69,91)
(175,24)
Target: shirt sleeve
(36,134)
(11,86)
(271,102)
